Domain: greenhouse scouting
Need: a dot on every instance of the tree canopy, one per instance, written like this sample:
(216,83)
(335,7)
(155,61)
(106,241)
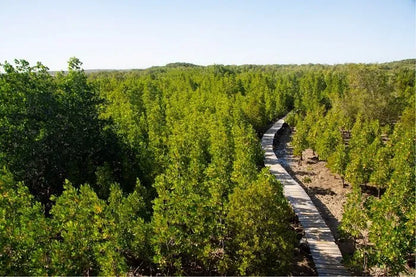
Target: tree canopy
(160,171)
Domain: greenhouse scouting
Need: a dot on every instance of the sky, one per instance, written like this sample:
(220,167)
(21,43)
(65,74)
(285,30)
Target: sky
(122,34)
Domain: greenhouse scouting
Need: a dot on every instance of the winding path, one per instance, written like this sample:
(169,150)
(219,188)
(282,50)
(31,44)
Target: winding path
(325,252)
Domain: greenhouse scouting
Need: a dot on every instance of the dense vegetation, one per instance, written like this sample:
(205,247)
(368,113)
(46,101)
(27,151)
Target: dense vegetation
(361,119)
(161,170)
(158,171)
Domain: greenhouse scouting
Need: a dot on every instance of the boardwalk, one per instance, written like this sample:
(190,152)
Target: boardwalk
(325,253)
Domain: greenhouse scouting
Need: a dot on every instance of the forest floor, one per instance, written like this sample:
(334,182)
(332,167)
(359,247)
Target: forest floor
(328,195)
(324,188)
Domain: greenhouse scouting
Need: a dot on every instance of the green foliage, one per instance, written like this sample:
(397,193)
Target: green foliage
(260,241)
(366,133)
(182,143)
(338,160)
(90,235)
(299,139)
(362,151)
(355,223)
(50,127)
(393,216)
(248,155)
(355,219)
(125,221)
(327,143)
(381,165)
(307,180)
(86,242)
(27,102)
(24,232)
(291,119)
(390,229)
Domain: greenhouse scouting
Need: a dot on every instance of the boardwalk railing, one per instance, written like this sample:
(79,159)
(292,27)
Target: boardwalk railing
(325,252)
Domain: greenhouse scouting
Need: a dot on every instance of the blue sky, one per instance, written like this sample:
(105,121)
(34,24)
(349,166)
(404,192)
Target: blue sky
(138,34)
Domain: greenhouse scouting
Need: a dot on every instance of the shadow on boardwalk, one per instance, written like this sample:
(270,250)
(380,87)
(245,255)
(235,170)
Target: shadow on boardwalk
(326,254)
(284,152)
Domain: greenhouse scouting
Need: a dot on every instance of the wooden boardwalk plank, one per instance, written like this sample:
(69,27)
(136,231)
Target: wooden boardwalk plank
(325,252)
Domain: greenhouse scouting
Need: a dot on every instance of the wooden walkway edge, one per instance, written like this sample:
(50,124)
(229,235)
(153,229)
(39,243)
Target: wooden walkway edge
(325,252)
